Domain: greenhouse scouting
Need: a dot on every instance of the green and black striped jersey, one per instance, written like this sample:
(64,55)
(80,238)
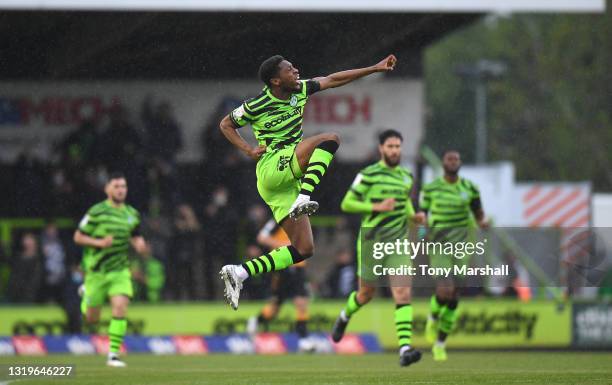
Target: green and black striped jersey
(450,204)
(375,183)
(101,220)
(276,123)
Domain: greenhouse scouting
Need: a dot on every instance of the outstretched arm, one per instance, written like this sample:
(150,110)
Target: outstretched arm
(341,78)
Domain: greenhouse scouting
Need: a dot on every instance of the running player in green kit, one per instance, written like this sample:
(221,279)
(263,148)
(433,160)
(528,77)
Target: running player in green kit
(289,166)
(453,207)
(106,233)
(381,194)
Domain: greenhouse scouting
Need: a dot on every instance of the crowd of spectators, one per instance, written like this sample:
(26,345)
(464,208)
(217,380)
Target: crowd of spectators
(196,218)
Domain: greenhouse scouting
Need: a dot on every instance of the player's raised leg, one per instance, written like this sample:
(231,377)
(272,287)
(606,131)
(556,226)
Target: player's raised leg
(301,248)
(314,155)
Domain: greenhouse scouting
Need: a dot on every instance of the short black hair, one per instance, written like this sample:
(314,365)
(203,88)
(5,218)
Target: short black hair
(446,151)
(115,175)
(386,134)
(269,68)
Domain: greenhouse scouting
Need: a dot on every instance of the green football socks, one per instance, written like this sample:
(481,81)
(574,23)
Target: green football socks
(317,166)
(403,324)
(116,332)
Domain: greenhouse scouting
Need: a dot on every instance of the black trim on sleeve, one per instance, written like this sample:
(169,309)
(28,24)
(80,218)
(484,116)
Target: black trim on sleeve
(475,204)
(312,86)
(136,232)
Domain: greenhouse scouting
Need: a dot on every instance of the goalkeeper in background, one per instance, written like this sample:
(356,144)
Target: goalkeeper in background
(106,233)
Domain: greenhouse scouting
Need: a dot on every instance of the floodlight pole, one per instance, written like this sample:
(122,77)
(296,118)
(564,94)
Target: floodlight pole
(481,121)
(480,73)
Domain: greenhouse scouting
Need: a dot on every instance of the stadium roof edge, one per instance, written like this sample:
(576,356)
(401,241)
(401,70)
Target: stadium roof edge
(450,6)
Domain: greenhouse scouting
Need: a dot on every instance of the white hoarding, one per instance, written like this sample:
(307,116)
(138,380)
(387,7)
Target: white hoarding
(38,114)
(317,5)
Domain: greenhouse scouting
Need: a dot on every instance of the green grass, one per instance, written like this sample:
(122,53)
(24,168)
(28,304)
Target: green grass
(462,368)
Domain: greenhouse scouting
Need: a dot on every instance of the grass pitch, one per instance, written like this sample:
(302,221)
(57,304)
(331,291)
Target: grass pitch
(461,368)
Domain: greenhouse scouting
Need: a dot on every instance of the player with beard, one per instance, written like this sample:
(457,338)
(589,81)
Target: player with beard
(381,194)
(106,233)
(453,208)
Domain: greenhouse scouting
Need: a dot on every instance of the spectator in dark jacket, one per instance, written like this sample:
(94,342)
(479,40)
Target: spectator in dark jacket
(26,271)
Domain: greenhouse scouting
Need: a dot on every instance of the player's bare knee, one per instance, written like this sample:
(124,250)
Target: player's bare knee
(402,295)
(301,251)
(119,311)
(116,313)
(306,250)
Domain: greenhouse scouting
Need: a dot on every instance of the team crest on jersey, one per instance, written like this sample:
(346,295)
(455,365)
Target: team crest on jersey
(283,162)
(464,195)
(293,101)
(130,219)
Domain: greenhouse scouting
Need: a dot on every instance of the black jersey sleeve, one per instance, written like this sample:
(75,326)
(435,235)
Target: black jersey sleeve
(312,86)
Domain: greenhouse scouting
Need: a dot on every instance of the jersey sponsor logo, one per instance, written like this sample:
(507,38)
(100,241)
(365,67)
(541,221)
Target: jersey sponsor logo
(190,345)
(29,346)
(269,343)
(393,191)
(283,162)
(282,118)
